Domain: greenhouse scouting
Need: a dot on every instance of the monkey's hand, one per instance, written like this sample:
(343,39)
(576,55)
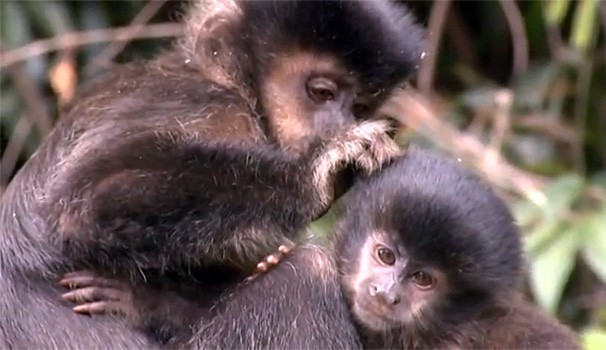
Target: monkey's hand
(97,295)
(363,148)
(271,261)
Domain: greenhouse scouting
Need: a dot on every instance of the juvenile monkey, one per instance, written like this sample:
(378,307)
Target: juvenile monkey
(177,175)
(430,258)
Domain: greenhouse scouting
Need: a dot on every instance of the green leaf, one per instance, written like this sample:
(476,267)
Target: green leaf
(551,268)
(599,179)
(561,193)
(594,339)
(594,247)
(541,237)
(14,25)
(53,16)
(532,87)
(556,11)
(525,212)
(479,97)
(584,24)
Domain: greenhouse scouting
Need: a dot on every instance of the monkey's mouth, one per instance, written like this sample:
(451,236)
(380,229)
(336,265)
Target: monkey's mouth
(375,316)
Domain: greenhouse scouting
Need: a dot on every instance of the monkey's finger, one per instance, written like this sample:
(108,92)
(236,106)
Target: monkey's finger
(99,307)
(285,249)
(273,259)
(263,266)
(79,280)
(83,295)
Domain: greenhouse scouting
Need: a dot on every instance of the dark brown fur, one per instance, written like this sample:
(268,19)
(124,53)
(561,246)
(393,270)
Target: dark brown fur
(162,171)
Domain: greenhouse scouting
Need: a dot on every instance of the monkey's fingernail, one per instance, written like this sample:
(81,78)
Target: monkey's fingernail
(68,283)
(284,249)
(81,309)
(68,296)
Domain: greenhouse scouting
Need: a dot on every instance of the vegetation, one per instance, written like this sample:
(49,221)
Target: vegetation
(516,90)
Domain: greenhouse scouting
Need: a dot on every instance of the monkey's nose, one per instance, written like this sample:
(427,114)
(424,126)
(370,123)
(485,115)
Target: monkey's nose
(389,297)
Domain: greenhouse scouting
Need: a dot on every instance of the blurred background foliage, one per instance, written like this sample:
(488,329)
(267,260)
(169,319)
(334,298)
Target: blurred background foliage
(515,89)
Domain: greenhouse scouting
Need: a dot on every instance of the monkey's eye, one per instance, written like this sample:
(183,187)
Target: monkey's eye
(423,280)
(386,256)
(321,90)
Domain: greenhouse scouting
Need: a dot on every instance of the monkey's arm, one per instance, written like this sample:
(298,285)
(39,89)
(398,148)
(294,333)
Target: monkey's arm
(304,290)
(161,314)
(155,200)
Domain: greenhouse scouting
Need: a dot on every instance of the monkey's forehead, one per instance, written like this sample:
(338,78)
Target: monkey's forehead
(433,204)
(378,39)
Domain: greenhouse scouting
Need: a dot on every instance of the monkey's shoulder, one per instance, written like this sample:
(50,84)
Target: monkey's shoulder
(149,95)
(522,325)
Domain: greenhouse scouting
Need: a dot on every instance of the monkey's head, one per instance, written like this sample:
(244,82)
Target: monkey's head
(423,245)
(309,66)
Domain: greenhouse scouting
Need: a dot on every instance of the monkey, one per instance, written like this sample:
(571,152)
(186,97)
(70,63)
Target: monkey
(178,174)
(430,257)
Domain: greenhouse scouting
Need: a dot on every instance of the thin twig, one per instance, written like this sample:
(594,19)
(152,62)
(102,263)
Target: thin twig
(461,40)
(415,112)
(551,127)
(437,19)
(519,40)
(35,103)
(602,8)
(76,39)
(115,47)
(13,149)
(501,122)
(580,113)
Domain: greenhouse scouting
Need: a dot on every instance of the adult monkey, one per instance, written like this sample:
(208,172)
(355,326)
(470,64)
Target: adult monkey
(203,160)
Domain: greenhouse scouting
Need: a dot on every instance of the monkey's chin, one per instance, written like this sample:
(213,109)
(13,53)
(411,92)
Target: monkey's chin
(370,318)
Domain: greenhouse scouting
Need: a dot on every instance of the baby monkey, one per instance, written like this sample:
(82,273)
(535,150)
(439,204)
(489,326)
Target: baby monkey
(430,258)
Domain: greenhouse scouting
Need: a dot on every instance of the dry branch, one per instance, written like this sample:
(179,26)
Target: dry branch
(437,18)
(519,39)
(415,112)
(75,39)
(136,25)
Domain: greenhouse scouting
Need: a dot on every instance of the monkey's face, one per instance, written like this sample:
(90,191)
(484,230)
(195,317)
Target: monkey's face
(390,290)
(306,95)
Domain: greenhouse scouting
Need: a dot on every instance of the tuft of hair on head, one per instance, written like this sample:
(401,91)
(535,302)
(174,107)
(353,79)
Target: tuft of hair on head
(209,39)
